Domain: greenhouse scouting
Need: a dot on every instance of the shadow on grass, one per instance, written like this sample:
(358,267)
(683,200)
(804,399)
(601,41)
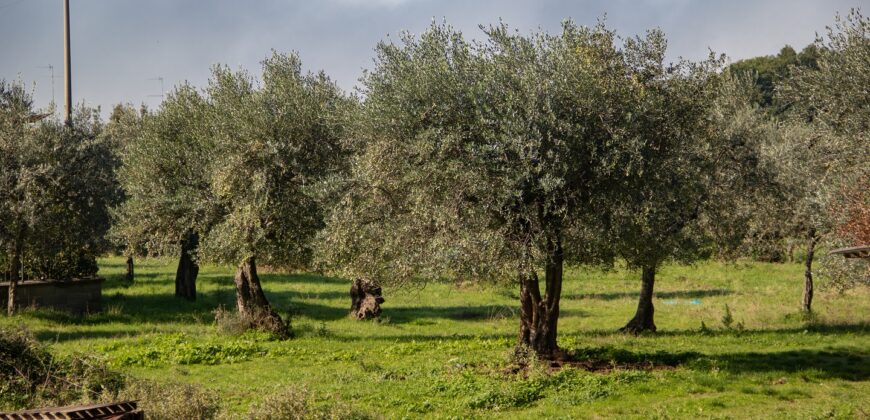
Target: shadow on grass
(858,328)
(118,281)
(416,314)
(61,336)
(677,294)
(119,307)
(840,363)
(401,315)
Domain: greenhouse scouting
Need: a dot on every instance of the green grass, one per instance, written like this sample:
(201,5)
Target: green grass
(442,351)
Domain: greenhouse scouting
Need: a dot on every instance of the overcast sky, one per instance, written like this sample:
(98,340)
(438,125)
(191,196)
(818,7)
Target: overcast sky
(120,46)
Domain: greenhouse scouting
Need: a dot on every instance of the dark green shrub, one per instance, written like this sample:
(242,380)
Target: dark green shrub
(170,401)
(31,376)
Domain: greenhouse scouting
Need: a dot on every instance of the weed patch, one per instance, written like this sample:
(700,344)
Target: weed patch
(180,349)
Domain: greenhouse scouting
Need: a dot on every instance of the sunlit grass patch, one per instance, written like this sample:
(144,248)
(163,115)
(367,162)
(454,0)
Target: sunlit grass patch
(444,351)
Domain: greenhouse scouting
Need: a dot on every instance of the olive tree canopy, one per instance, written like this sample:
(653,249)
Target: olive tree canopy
(823,153)
(231,174)
(56,186)
(274,144)
(497,160)
(167,158)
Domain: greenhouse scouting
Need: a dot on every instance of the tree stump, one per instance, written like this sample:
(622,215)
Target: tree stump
(366,299)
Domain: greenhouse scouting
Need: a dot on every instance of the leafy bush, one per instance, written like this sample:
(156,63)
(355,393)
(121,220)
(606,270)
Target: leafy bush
(230,322)
(168,401)
(843,274)
(31,376)
(296,403)
(508,395)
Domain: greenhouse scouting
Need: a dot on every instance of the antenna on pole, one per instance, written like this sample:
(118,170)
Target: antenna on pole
(160,79)
(51,69)
(67,78)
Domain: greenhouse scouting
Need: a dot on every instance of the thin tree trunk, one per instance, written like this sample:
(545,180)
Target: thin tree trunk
(129,276)
(188,269)
(14,271)
(644,316)
(808,271)
(539,315)
(251,301)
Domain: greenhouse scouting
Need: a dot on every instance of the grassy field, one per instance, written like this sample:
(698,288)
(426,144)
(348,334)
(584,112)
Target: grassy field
(444,351)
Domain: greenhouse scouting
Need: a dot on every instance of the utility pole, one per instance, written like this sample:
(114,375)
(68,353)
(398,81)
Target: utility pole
(67,79)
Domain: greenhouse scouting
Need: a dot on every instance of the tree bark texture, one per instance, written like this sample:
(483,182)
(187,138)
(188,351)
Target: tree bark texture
(14,271)
(807,303)
(188,269)
(129,276)
(252,304)
(539,314)
(366,298)
(644,316)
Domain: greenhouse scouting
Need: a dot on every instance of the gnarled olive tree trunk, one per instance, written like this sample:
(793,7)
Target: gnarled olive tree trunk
(129,275)
(644,316)
(812,239)
(251,301)
(188,269)
(366,298)
(539,315)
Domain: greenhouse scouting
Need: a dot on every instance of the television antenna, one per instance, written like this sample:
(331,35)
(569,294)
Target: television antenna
(159,79)
(51,70)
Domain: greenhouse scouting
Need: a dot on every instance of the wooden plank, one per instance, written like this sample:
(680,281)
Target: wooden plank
(853,252)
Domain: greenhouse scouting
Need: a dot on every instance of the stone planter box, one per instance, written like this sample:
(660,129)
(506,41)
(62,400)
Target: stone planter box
(77,296)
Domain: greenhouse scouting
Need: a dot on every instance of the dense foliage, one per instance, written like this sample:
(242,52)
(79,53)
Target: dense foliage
(230,174)
(770,71)
(273,144)
(164,174)
(830,158)
(504,158)
(56,186)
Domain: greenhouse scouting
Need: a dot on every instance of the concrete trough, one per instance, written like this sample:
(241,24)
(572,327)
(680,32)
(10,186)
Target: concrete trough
(76,296)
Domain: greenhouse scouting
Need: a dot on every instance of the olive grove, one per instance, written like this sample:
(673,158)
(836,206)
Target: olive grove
(512,157)
(230,174)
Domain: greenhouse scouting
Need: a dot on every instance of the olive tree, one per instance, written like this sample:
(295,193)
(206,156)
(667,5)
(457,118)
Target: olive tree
(700,175)
(492,160)
(165,177)
(822,153)
(56,186)
(230,174)
(274,142)
(123,127)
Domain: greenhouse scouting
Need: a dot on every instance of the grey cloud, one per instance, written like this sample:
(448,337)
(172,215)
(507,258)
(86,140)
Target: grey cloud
(119,44)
